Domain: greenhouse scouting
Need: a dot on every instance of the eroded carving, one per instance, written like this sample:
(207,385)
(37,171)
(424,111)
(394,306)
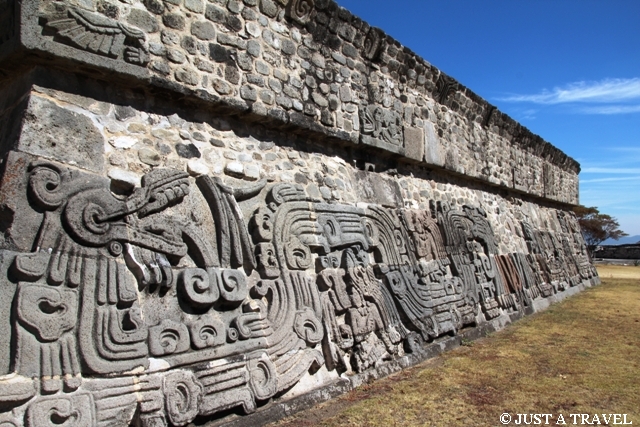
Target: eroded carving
(97,34)
(381,124)
(300,10)
(187,323)
(372,43)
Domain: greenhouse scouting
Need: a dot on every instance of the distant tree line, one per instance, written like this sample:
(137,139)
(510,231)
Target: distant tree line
(597,227)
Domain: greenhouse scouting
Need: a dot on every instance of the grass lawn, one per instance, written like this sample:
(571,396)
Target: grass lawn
(579,356)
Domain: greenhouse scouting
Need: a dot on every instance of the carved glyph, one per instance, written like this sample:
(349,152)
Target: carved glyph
(126,312)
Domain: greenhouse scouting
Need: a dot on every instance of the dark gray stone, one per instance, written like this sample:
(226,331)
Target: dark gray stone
(288,47)
(187,76)
(347,32)
(253,48)
(143,20)
(235,6)
(292,92)
(267,97)
(196,6)
(327,118)
(249,14)
(189,44)
(311,82)
(350,50)
(215,14)
(218,53)
(174,20)
(222,87)
(123,113)
(269,8)
(154,6)
(276,85)
(176,56)
(230,40)
(203,30)
(248,93)
(169,38)
(157,49)
(255,79)
(334,102)
(188,151)
(320,100)
(244,61)
(280,75)
(232,73)
(265,146)
(263,68)
(161,66)
(283,101)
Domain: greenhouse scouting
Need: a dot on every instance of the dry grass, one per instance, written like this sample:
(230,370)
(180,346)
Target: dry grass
(607,271)
(579,356)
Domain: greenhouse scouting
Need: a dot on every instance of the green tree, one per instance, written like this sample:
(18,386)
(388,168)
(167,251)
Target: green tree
(597,227)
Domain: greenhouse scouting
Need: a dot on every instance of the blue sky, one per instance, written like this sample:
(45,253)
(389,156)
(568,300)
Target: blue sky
(569,70)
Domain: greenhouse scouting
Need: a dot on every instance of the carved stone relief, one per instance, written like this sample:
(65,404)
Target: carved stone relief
(372,43)
(95,33)
(380,124)
(178,298)
(118,286)
(300,10)
(445,87)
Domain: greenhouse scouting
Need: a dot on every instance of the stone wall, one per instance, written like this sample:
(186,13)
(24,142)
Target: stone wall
(308,64)
(211,210)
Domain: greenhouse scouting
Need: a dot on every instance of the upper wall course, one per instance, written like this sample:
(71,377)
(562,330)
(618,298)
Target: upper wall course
(339,78)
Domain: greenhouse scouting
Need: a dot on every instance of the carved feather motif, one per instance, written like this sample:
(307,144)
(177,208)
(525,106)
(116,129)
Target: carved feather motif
(95,33)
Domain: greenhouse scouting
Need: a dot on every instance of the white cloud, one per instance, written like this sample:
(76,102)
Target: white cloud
(612,109)
(608,90)
(610,170)
(529,114)
(626,178)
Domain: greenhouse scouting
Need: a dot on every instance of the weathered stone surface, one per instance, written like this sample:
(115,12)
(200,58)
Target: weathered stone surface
(414,143)
(143,20)
(174,20)
(149,156)
(187,151)
(433,148)
(203,30)
(209,206)
(269,8)
(123,178)
(58,133)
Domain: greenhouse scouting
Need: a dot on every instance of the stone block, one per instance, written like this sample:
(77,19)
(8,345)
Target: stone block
(196,6)
(414,143)
(143,20)
(433,147)
(203,30)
